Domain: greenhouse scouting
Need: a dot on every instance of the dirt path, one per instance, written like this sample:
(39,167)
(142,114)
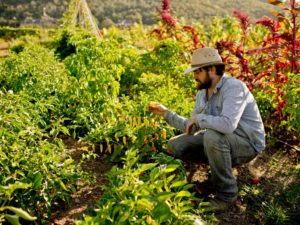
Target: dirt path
(264,172)
(270,172)
(4,49)
(86,198)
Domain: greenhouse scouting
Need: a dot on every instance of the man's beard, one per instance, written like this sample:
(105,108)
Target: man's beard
(206,84)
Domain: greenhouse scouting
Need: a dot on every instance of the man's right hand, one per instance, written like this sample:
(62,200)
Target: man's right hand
(157,108)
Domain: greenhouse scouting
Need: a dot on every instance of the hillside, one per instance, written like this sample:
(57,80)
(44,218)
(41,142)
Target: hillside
(108,12)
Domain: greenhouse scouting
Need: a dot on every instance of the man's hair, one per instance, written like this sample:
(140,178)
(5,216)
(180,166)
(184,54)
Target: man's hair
(219,69)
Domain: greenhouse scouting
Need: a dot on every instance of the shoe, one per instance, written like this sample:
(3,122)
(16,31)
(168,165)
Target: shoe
(219,205)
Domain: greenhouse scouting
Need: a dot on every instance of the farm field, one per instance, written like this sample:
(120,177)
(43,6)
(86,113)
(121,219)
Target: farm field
(78,144)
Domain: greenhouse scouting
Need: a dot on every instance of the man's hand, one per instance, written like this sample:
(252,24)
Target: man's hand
(157,108)
(191,122)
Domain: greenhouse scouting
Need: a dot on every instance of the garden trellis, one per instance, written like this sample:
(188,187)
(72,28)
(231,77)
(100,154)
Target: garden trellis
(80,13)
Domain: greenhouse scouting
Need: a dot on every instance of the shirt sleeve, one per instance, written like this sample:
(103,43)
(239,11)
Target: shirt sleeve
(175,120)
(233,106)
(180,122)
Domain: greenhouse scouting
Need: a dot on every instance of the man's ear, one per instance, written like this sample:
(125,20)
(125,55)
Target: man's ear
(213,70)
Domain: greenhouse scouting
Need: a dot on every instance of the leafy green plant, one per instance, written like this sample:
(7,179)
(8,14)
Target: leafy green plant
(99,90)
(146,193)
(292,109)
(18,213)
(34,71)
(92,97)
(11,32)
(275,214)
(36,173)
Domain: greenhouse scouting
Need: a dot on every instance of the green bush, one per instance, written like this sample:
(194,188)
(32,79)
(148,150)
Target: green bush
(147,193)
(34,71)
(36,173)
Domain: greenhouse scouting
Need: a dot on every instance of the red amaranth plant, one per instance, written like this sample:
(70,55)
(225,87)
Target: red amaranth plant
(165,13)
(238,50)
(281,47)
(187,34)
(283,34)
(272,25)
(276,55)
(195,35)
(243,18)
(158,32)
(166,5)
(229,48)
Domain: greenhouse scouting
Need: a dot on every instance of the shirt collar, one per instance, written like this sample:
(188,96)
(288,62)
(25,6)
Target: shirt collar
(221,82)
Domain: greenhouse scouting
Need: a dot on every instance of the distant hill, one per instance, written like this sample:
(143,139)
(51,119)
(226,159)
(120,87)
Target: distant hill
(122,12)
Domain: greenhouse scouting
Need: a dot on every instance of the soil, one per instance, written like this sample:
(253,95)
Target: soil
(264,172)
(88,195)
(4,49)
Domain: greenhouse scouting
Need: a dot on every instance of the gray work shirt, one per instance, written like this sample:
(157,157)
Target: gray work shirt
(230,109)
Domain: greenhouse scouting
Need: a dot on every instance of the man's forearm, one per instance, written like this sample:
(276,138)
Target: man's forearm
(175,120)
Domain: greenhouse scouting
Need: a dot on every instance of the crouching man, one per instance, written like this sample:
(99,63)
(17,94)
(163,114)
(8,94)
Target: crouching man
(225,128)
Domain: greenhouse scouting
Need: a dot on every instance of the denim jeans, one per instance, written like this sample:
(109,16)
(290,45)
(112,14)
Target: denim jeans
(220,151)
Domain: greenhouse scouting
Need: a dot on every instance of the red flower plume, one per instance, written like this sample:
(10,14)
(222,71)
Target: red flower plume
(272,25)
(244,19)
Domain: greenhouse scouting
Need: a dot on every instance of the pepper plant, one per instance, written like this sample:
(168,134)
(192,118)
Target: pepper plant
(147,193)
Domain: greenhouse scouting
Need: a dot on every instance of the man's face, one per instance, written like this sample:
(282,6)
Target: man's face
(202,78)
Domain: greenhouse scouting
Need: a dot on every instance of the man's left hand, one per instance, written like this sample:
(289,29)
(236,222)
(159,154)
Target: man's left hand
(191,122)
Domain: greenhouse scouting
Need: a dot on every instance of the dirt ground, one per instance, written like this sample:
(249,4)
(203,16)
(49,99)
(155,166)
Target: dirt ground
(264,171)
(86,198)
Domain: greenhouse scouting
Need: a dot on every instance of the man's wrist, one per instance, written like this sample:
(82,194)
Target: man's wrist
(165,114)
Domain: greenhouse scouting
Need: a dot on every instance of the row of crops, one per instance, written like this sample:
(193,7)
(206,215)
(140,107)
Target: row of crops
(72,83)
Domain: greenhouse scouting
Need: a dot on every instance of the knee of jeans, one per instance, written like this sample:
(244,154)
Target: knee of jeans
(175,147)
(212,138)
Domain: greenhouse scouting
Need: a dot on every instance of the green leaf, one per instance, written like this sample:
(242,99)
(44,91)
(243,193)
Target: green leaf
(178,184)
(68,162)
(65,130)
(186,208)
(92,86)
(144,167)
(37,181)
(145,203)
(164,196)
(21,213)
(183,194)
(188,186)
(61,183)
(154,174)
(13,219)
(115,157)
(116,210)
(124,217)
(8,190)
(170,178)
(161,212)
(171,168)
(2,154)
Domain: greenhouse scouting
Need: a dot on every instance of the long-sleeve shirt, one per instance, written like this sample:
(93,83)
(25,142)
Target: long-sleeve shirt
(230,109)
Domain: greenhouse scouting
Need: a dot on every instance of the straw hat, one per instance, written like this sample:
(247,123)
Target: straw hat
(204,57)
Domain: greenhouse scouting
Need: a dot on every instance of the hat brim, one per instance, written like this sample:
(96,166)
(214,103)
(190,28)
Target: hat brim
(190,69)
(193,68)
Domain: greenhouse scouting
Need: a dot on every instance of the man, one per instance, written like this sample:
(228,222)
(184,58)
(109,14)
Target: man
(225,128)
